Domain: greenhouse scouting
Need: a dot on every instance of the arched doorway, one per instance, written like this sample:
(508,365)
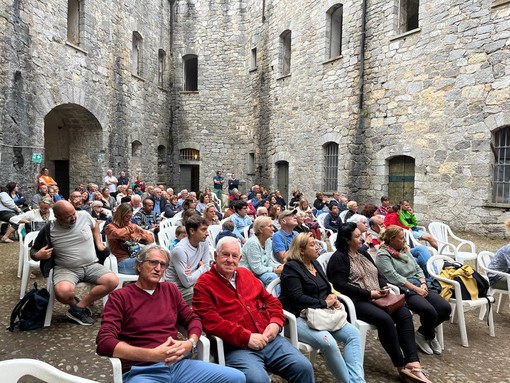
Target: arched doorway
(401,179)
(73,149)
(282,178)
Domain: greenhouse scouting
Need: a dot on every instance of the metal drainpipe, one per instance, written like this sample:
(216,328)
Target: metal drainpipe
(362,57)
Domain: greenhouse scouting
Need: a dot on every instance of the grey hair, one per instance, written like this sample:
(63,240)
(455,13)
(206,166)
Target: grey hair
(356,218)
(140,257)
(224,241)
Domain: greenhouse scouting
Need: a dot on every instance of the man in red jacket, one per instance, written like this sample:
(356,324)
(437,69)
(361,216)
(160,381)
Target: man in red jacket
(234,306)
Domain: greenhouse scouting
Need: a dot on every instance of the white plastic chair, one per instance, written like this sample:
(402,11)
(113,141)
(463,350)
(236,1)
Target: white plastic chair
(305,348)
(444,234)
(320,220)
(51,301)
(21,239)
(164,223)
(434,267)
(332,241)
(213,230)
(112,264)
(203,353)
(484,258)
(27,262)
(13,369)
(343,213)
(166,235)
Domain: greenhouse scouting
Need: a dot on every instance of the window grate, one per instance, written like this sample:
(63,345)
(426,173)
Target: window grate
(501,184)
(330,167)
(189,155)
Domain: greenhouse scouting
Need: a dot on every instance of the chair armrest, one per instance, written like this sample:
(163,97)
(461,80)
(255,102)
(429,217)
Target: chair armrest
(349,305)
(394,289)
(292,323)
(117,370)
(449,246)
(219,349)
(466,243)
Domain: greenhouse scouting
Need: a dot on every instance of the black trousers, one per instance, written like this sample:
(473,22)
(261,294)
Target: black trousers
(396,331)
(432,310)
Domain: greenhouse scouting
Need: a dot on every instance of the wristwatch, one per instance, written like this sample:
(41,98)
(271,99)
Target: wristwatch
(193,346)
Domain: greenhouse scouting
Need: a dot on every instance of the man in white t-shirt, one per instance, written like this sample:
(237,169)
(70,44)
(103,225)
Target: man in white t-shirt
(110,181)
(69,241)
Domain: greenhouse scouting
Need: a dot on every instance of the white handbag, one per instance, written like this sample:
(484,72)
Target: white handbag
(325,319)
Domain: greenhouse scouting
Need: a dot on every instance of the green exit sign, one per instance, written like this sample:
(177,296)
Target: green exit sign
(37,158)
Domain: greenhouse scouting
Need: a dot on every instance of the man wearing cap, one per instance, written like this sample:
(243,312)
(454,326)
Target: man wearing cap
(283,237)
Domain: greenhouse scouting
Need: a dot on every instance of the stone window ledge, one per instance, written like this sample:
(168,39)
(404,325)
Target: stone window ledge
(76,47)
(251,70)
(408,33)
(497,3)
(137,77)
(332,59)
(283,77)
(190,92)
(497,205)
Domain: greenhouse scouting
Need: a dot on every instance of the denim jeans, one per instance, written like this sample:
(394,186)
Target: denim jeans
(278,357)
(185,370)
(127,266)
(422,255)
(346,369)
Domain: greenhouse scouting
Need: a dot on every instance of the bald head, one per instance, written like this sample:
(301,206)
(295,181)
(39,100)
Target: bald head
(65,213)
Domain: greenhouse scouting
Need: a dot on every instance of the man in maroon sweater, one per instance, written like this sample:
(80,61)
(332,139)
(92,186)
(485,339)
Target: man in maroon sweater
(139,326)
(234,305)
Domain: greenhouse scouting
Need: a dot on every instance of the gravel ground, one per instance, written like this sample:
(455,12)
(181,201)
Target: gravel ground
(71,347)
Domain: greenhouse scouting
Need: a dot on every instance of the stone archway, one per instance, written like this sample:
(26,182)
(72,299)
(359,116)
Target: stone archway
(74,151)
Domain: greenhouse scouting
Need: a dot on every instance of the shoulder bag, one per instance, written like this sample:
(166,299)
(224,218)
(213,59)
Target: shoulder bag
(325,319)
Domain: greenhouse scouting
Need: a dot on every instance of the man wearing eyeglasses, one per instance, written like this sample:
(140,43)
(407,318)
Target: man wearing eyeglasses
(234,306)
(139,326)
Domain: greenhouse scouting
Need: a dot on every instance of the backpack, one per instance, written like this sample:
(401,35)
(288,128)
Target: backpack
(482,285)
(30,312)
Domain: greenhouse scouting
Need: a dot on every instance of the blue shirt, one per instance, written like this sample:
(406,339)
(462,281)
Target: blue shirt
(281,242)
(239,224)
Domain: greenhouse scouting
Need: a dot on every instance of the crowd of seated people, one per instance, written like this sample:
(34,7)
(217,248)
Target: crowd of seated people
(266,231)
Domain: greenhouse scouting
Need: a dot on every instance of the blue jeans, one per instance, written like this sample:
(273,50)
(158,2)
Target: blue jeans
(127,266)
(278,357)
(422,255)
(267,278)
(185,370)
(346,369)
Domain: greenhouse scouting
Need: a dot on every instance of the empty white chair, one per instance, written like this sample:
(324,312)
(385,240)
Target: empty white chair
(444,235)
(166,235)
(459,306)
(27,261)
(13,369)
(484,258)
(214,230)
(164,223)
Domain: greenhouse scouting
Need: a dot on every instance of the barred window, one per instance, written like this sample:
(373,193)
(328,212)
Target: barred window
(189,155)
(501,150)
(330,167)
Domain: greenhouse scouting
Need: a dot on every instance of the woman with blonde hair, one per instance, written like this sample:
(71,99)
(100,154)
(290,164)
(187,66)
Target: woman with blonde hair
(120,230)
(305,285)
(210,214)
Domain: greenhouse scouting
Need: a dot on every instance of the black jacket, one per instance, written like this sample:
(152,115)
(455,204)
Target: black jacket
(299,290)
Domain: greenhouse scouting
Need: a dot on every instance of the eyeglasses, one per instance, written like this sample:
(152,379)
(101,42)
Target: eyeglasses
(228,255)
(154,263)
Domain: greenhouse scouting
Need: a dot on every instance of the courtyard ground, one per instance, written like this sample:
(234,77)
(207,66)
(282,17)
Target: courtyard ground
(71,347)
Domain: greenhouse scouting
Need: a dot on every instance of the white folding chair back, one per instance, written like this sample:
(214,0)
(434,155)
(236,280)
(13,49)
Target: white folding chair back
(166,236)
(444,236)
(164,223)
(214,230)
(459,306)
(305,348)
(12,370)
(20,258)
(27,261)
(484,259)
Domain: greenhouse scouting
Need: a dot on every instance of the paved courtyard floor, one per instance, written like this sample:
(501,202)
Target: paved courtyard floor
(71,347)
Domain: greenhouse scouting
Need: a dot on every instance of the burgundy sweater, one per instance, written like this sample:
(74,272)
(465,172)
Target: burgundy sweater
(134,316)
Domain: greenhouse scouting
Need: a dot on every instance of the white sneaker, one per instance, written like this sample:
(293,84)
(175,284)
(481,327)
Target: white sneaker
(435,346)
(423,344)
